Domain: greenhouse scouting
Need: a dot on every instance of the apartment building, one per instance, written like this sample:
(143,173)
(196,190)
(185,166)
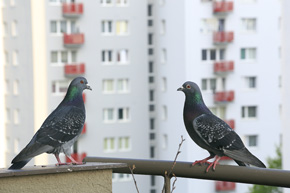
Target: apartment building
(135,54)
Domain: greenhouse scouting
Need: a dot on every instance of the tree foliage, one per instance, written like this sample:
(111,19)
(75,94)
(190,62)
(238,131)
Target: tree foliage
(272,163)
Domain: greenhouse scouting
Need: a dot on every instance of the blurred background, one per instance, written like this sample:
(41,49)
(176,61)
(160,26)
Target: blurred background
(135,54)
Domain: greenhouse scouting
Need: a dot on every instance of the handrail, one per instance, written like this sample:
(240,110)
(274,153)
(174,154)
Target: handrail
(250,175)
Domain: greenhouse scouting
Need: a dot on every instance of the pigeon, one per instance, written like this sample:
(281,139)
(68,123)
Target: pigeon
(211,133)
(60,129)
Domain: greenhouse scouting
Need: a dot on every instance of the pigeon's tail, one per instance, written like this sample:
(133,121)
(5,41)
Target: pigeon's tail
(18,165)
(244,157)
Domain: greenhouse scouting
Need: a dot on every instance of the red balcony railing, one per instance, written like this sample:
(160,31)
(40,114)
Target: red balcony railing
(77,156)
(74,69)
(222,6)
(222,37)
(84,129)
(231,123)
(224,96)
(73,40)
(225,186)
(224,66)
(72,9)
(84,97)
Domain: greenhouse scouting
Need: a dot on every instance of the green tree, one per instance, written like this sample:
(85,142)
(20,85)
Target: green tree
(272,163)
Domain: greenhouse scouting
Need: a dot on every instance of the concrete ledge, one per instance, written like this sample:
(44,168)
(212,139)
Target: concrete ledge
(91,177)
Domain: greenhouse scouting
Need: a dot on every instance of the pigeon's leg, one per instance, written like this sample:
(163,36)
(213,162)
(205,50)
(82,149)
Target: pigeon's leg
(58,160)
(74,162)
(203,161)
(213,164)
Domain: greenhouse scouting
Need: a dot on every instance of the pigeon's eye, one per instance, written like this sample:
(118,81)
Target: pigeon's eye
(188,86)
(82,82)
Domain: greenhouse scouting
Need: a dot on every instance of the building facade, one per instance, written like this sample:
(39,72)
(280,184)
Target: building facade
(135,54)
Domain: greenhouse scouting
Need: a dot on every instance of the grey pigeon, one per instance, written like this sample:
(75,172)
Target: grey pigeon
(60,129)
(211,133)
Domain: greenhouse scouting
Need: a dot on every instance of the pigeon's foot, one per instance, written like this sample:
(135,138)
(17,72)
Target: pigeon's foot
(62,164)
(203,161)
(213,164)
(78,163)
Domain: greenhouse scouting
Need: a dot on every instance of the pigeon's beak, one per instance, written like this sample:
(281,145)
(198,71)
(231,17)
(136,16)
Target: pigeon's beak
(180,89)
(88,87)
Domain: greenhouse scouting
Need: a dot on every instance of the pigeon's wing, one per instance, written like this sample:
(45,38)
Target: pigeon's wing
(219,136)
(216,133)
(61,126)
(64,124)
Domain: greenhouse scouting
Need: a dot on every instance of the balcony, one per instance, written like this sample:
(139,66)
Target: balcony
(222,7)
(223,67)
(222,37)
(224,97)
(72,10)
(73,40)
(231,123)
(74,70)
(224,186)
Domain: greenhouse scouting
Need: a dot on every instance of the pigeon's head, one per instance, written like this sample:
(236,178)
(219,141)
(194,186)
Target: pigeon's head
(80,83)
(191,91)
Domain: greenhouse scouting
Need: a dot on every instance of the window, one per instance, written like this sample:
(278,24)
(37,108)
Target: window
(16,116)
(107,2)
(163,55)
(248,25)
(250,82)
(124,177)
(53,27)
(15,57)
(54,57)
(208,25)
(152,152)
(150,39)
(164,84)
(124,144)
(208,84)
(109,144)
(164,141)
(151,136)
(249,112)
(151,108)
(203,54)
(122,27)
(107,27)
(14,28)
(219,111)
(248,53)
(122,2)
(252,140)
(5,29)
(108,115)
(150,22)
(59,87)
(123,85)
(123,114)
(7,115)
(122,56)
(107,56)
(149,10)
(7,86)
(152,123)
(63,27)
(151,95)
(222,53)
(152,180)
(151,79)
(151,67)
(73,56)
(15,87)
(163,27)
(150,51)
(108,86)
(64,57)
(164,112)
(212,54)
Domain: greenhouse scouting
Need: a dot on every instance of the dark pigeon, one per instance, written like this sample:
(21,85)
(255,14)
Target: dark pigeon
(60,129)
(211,133)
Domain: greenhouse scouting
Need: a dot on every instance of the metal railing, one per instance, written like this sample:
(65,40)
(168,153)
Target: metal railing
(250,175)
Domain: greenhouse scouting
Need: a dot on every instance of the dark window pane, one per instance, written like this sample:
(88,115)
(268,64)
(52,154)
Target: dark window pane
(149,10)
(120,114)
(150,67)
(151,108)
(203,54)
(152,136)
(212,54)
(152,123)
(152,152)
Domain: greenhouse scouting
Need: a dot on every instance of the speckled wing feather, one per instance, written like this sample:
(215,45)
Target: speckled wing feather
(216,133)
(64,124)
